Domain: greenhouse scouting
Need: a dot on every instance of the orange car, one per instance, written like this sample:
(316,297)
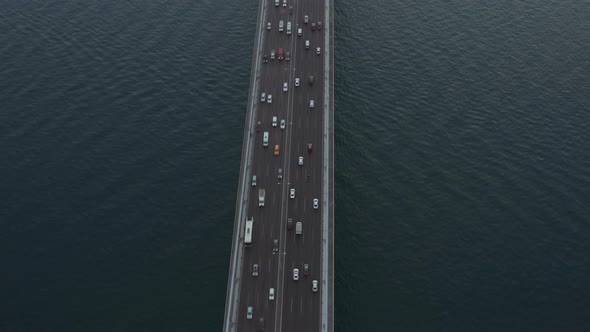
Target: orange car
(276,150)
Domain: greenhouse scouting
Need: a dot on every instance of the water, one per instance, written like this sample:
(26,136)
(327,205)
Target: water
(463,164)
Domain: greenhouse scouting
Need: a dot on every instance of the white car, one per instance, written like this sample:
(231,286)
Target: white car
(282,124)
(297,81)
(274,121)
(314,286)
(316,203)
(271,294)
(250,313)
(285,87)
(292,193)
(284,3)
(255,270)
(305,19)
(300,161)
(268,26)
(299,32)
(263,97)
(311,102)
(318,50)
(269,99)
(295,274)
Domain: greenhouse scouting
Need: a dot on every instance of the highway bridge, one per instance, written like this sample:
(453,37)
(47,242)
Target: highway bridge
(288,152)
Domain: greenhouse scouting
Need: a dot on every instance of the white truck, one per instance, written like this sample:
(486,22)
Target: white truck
(260,197)
(298,228)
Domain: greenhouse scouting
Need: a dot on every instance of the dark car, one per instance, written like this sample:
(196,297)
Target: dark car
(265,58)
(287,56)
(290,10)
(275,245)
(319,25)
(305,269)
(309,147)
(312,26)
(290,223)
(310,80)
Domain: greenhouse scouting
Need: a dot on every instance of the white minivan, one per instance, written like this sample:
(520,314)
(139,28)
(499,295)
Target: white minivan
(306,45)
(265,139)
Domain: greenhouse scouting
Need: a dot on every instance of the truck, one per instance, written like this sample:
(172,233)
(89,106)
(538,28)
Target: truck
(298,228)
(260,197)
(248,232)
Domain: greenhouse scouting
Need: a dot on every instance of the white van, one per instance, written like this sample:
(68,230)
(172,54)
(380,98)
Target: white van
(288,28)
(281,25)
(265,139)
(307,44)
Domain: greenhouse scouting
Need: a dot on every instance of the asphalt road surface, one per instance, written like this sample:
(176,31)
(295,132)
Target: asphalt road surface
(295,307)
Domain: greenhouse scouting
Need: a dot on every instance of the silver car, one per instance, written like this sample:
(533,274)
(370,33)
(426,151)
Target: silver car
(295,274)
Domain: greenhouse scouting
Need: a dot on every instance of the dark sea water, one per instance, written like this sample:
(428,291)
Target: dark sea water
(462,163)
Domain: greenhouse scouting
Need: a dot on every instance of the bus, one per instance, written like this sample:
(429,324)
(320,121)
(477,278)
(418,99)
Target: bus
(248,233)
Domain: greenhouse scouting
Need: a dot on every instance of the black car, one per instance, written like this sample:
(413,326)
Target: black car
(319,25)
(312,26)
(310,80)
(305,269)
(265,58)
(287,56)
(290,223)
(275,245)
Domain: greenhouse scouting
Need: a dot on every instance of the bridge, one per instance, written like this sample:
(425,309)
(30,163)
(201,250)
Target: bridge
(281,273)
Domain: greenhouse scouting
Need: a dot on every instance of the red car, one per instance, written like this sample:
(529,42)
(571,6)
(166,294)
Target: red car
(309,147)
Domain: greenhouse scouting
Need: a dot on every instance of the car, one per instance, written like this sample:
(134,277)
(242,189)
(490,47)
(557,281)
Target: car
(287,55)
(275,245)
(250,313)
(314,286)
(271,294)
(296,81)
(300,161)
(305,19)
(309,147)
(307,44)
(255,270)
(276,152)
(310,80)
(280,173)
(265,58)
(263,97)
(295,274)
(258,126)
(319,25)
(274,121)
(268,26)
(311,103)
(292,193)
(305,269)
(285,87)
(316,203)
(299,32)
(290,10)
(253,180)
(283,124)
(272,54)
(284,3)
(312,26)
(318,51)
(261,324)
(290,223)
(269,99)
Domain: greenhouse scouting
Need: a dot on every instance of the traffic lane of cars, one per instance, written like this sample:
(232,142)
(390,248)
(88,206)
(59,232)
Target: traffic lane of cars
(310,251)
